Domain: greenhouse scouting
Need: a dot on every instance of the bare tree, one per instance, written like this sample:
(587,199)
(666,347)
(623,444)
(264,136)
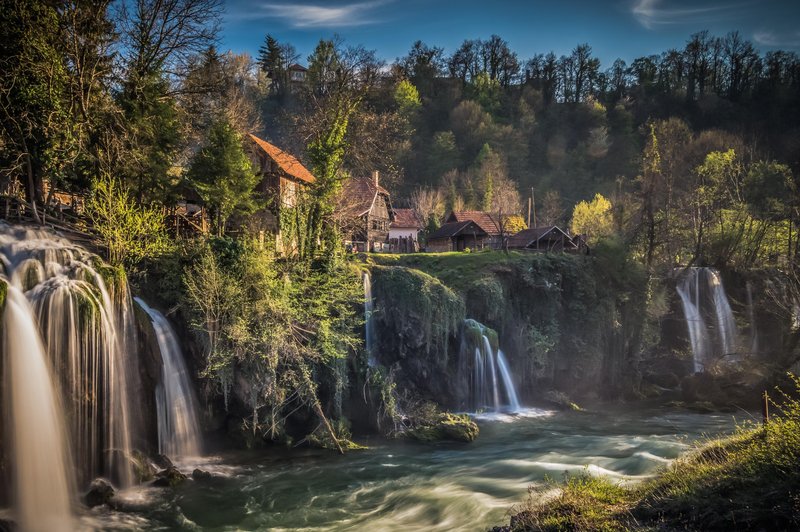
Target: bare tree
(162,35)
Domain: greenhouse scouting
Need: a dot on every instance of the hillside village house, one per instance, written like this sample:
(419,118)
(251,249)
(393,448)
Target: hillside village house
(282,178)
(484,220)
(404,231)
(364,214)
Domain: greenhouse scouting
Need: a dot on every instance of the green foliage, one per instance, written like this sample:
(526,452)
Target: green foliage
(486,91)
(223,174)
(36,122)
(406,97)
(131,232)
(273,324)
(152,139)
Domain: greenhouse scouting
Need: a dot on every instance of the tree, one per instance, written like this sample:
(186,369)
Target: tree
(223,174)
(35,117)
(593,219)
(406,96)
(130,232)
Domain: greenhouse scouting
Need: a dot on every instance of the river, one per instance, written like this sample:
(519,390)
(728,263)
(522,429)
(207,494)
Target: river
(407,486)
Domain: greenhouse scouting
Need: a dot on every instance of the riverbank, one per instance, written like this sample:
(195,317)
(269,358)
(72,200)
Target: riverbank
(748,481)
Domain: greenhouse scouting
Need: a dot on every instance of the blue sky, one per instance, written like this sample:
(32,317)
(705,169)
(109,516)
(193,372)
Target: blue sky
(614,28)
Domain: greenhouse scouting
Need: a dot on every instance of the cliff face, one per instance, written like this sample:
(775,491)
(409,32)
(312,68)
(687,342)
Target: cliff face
(592,327)
(566,322)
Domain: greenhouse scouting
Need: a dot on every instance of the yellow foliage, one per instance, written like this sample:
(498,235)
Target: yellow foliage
(593,218)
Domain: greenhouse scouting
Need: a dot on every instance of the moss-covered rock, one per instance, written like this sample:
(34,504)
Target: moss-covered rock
(453,427)
(169,478)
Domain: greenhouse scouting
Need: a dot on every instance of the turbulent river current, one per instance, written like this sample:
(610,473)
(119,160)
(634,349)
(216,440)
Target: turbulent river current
(407,486)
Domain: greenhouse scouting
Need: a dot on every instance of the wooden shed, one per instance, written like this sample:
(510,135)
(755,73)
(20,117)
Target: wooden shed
(550,238)
(457,236)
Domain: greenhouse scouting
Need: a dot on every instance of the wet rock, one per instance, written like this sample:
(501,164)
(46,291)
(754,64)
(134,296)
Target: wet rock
(199,475)
(561,400)
(169,478)
(143,468)
(100,492)
(163,461)
(447,427)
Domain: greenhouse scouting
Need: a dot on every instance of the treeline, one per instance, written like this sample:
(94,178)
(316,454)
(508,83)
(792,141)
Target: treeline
(135,97)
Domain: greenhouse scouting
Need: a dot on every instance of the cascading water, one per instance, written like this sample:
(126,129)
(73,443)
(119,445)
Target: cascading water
(369,324)
(87,331)
(178,431)
(33,422)
(487,392)
(704,301)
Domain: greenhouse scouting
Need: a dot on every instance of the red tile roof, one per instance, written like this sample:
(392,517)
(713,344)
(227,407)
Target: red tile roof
(357,196)
(405,219)
(285,161)
(483,219)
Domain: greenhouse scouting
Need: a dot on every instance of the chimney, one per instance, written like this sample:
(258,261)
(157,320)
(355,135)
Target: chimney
(375,177)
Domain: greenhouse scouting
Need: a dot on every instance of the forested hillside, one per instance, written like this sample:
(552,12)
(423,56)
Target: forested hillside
(696,148)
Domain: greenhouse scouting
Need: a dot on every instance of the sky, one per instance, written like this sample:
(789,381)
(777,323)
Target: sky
(624,29)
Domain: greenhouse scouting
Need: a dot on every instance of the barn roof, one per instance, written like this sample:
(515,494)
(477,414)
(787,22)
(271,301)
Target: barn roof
(485,220)
(528,237)
(452,229)
(405,219)
(285,161)
(358,195)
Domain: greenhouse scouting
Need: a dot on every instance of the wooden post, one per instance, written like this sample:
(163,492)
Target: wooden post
(765,408)
(530,203)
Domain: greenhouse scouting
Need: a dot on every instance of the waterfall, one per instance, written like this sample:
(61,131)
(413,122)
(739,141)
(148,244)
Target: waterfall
(369,324)
(178,432)
(709,318)
(505,372)
(33,421)
(486,390)
(87,331)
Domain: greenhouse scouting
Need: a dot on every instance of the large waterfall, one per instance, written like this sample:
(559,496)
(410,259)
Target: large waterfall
(369,323)
(77,312)
(34,424)
(491,384)
(709,318)
(178,432)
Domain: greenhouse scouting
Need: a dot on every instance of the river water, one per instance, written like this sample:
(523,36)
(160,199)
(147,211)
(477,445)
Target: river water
(408,486)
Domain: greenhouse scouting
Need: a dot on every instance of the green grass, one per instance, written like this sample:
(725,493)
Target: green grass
(748,481)
(460,271)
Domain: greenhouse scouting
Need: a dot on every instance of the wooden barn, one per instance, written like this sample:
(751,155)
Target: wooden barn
(457,236)
(550,238)
(484,220)
(364,214)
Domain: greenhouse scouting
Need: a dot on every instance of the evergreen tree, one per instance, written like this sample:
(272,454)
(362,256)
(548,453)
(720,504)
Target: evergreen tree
(223,175)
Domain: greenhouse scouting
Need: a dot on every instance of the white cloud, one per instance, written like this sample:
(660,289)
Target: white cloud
(653,13)
(317,16)
(771,38)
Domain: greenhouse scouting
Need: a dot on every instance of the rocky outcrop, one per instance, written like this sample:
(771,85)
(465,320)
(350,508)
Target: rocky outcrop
(100,492)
